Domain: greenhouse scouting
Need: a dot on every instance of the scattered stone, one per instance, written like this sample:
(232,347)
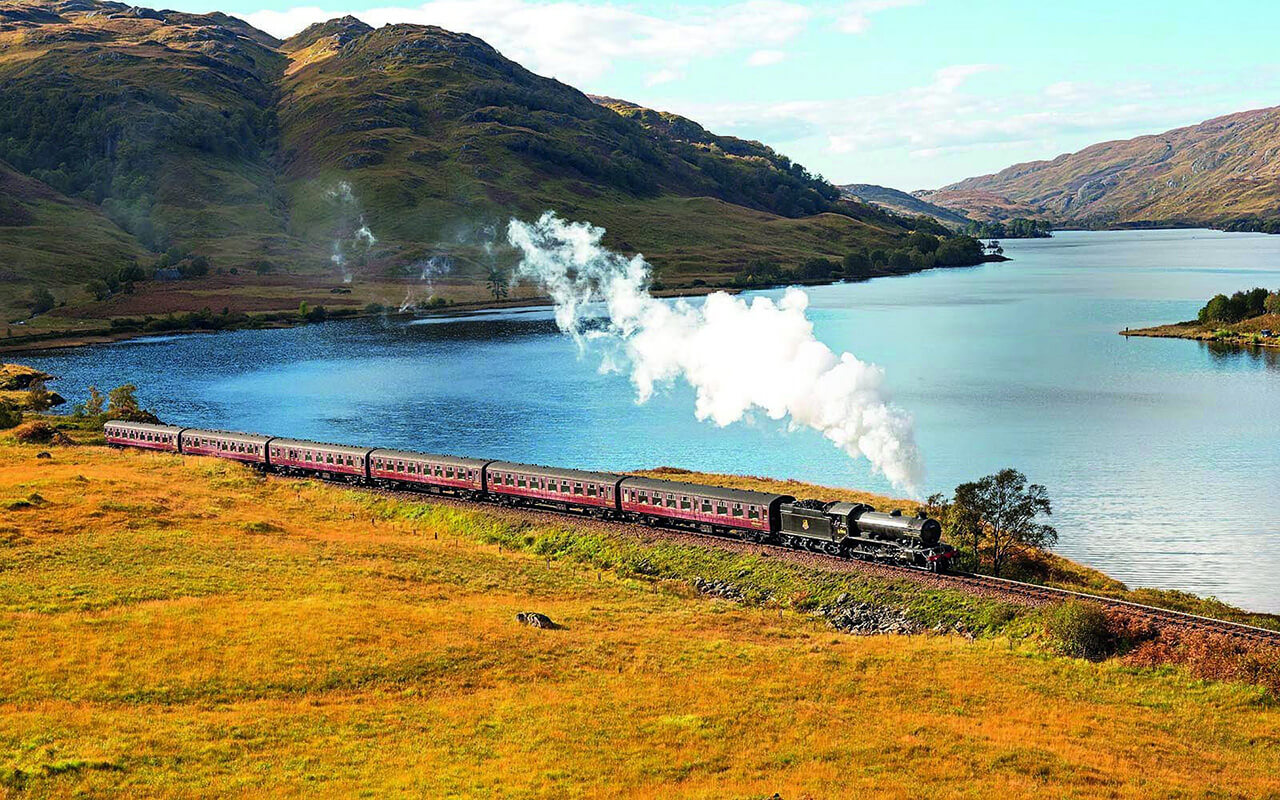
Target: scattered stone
(717,588)
(535,620)
(864,619)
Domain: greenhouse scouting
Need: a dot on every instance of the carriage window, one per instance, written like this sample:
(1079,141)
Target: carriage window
(448,472)
(737,511)
(643,497)
(721,508)
(706,506)
(753,512)
(328,458)
(671,501)
(591,490)
(520,481)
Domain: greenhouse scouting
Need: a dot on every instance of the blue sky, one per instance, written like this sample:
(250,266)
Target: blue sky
(906,93)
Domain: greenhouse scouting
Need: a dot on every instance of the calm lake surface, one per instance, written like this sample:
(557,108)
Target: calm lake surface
(1162,457)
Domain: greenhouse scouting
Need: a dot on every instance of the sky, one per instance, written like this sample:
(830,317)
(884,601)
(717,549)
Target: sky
(912,94)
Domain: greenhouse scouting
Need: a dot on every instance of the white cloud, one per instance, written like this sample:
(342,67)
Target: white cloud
(765,58)
(954,113)
(856,16)
(578,42)
(662,76)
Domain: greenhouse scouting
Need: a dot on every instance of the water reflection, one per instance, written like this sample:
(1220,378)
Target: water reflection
(1231,354)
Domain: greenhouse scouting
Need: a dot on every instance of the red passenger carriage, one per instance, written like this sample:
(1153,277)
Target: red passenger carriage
(320,458)
(428,471)
(708,508)
(250,448)
(143,434)
(550,486)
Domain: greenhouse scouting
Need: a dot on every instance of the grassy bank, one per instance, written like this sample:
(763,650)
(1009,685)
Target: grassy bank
(178,626)
(1246,333)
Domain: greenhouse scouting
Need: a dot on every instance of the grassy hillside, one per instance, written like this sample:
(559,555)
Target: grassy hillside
(49,240)
(1219,172)
(353,154)
(178,625)
(442,140)
(164,120)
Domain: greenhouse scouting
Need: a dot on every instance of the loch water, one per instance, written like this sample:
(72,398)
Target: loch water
(1162,457)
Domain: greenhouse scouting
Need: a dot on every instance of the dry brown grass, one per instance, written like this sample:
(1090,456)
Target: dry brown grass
(174,627)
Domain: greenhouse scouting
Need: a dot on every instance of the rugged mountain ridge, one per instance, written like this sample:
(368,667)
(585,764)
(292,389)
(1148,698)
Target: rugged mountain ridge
(1221,172)
(198,134)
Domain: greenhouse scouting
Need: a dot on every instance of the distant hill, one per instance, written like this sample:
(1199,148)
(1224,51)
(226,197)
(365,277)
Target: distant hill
(67,241)
(198,134)
(903,203)
(1217,173)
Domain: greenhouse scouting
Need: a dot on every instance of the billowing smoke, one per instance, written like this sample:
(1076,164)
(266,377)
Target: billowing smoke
(740,356)
(352,239)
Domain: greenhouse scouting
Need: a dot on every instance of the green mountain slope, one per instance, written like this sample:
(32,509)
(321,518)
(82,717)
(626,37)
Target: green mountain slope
(199,135)
(49,240)
(163,119)
(439,135)
(1215,173)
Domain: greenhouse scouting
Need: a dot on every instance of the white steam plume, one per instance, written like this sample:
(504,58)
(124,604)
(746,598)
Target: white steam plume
(352,239)
(429,269)
(739,356)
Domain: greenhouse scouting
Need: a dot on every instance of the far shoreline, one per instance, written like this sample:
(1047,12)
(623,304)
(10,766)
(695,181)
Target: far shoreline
(100,336)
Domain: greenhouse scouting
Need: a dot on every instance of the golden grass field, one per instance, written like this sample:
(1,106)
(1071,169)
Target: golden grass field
(174,627)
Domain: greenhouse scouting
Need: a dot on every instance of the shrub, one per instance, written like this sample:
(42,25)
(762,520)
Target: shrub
(10,417)
(40,432)
(41,301)
(1078,629)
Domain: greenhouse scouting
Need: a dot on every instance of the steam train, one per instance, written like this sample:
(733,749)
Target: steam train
(838,528)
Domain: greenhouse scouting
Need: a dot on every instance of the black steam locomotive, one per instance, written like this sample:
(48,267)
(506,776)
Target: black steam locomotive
(854,530)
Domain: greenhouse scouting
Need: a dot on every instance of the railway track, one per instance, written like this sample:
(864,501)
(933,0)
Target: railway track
(1164,616)
(1016,591)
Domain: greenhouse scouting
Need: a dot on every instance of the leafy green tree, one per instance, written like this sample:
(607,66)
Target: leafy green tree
(94,405)
(1272,304)
(998,517)
(924,242)
(900,259)
(959,251)
(10,416)
(497,283)
(41,300)
(122,400)
(98,288)
(1216,310)
(1255,301)
(817,269)
(38,397)
(856,264)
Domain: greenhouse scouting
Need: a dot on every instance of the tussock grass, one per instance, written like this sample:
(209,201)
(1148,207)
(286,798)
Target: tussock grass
(176,626)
